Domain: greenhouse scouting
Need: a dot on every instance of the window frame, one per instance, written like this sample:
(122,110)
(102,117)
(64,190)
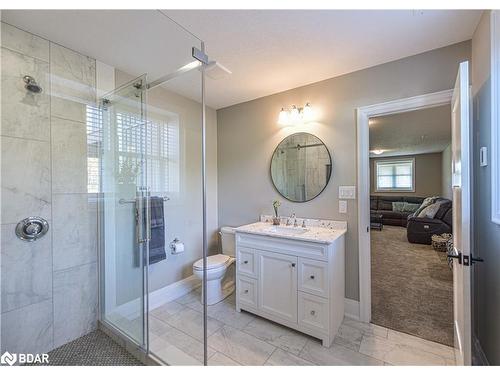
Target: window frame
(378,162)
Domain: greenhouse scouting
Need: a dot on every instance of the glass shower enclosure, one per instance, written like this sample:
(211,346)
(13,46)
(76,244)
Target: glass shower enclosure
(152,150)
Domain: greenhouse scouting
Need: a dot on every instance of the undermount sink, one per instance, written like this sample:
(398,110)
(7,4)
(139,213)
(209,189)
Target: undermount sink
(286,230)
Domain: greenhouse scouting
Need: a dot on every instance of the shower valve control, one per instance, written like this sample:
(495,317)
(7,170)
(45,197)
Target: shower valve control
(32,228)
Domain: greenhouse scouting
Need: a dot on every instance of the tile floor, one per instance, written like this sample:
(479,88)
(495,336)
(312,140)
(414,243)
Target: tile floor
(245,339)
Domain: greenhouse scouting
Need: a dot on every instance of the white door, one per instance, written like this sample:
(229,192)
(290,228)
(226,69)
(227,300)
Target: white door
(278,285)
(461,215)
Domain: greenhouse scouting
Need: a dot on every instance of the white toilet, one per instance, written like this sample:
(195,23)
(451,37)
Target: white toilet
(220,269)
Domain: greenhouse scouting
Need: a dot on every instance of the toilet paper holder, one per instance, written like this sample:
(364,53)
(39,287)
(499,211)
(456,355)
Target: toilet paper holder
(176,246)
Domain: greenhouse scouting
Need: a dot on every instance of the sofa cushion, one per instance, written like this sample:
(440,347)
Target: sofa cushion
(445,205)
(398,206)
(384,205)
(390,214)
(448,217)
(416,200)
(410,207)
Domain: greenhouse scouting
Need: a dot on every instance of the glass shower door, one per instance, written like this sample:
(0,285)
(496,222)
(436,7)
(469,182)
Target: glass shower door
(124,205)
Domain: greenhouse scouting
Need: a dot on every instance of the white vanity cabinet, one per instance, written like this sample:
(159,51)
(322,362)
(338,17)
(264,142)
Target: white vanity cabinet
(294,282)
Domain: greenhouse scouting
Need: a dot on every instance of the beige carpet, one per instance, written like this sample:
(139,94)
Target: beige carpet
(412,286)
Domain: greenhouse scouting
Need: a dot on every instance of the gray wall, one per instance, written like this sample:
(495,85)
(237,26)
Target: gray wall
(486,234)
(248,133)
(446,188)
(49,287)
(428,175)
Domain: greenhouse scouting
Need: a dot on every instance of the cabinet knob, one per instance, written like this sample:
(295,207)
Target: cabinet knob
(311,277)
(313,312)
(293,264)
(245,262)
(246,290)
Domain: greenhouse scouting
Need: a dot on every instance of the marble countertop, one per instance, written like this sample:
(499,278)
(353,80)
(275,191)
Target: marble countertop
(313,234)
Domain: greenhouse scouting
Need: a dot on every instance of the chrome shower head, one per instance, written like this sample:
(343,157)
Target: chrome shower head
(31,85)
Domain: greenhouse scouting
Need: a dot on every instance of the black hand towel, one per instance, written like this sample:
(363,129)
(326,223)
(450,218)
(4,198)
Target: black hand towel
(157,242)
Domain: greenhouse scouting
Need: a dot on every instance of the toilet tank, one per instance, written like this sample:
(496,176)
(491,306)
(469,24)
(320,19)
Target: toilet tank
(227,235)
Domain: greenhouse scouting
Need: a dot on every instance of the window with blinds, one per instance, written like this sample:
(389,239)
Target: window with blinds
(157,146)
(395,175)
(94,138)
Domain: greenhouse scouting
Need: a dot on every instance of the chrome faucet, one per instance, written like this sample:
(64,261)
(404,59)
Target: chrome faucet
(294,217)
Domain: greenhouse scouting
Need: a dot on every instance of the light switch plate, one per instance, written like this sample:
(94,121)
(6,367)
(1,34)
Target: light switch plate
(342,207)
(347,192)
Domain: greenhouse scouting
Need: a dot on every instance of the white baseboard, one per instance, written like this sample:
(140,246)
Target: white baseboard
(173,291)
(159,297)
(351,310)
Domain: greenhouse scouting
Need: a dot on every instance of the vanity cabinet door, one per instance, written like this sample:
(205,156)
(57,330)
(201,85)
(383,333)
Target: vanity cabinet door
(278,285)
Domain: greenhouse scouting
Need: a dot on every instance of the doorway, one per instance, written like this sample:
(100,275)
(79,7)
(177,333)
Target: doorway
(459,252)
(410,202)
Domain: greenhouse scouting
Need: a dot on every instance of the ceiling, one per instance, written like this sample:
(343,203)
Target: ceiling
(268,51)
(410,133)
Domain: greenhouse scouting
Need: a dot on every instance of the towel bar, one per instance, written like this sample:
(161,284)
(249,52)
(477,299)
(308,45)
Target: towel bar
(123,201)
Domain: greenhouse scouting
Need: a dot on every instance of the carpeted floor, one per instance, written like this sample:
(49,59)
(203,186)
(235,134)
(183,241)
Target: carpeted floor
(93,349)
(412,286)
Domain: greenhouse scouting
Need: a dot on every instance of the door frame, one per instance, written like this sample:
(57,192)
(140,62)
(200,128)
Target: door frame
(363,115)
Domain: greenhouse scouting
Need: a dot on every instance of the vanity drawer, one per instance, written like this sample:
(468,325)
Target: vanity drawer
(247,291)
(247,262)
(313,277)
(313,312)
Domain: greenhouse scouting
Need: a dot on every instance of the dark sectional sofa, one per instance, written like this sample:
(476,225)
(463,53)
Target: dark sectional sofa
(418,229)
(421,229)
(382,205)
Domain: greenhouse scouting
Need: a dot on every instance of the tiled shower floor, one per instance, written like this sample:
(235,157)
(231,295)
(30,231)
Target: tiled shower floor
(245,339)
(93,349)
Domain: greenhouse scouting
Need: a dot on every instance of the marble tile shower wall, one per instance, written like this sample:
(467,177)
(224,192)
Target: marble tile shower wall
(49,287)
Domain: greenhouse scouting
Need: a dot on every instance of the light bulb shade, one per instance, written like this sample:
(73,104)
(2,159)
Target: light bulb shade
(294,115)
(308,113)
(284,118)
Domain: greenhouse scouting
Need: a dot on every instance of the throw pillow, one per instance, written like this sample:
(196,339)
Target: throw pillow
(427,202)
(430,211)
(398,206)
(410,207)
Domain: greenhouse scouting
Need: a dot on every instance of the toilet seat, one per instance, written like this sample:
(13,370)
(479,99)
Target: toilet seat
(213,262)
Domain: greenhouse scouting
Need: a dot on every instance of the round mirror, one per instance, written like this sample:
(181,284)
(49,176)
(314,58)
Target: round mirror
(301,167)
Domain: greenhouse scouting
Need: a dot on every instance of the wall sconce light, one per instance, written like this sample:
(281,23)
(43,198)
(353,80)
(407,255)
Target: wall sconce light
(295,115)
